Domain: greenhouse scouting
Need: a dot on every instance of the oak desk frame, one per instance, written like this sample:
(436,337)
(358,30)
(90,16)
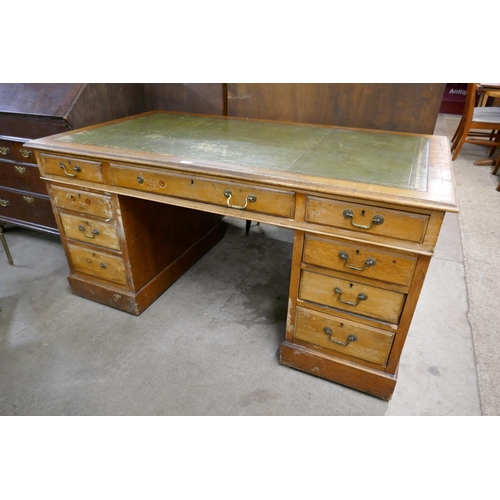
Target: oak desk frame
(137,204)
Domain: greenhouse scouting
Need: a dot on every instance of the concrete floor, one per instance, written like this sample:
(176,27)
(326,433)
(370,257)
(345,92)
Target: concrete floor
(209,345)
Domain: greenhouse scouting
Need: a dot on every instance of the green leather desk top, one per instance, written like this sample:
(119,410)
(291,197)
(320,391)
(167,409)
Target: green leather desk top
(385,159)
(406,169)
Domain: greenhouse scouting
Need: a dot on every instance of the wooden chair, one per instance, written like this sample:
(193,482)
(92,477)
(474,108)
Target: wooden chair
(486,92)
(479,125)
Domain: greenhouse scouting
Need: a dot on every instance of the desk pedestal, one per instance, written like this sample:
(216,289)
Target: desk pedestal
(125,252)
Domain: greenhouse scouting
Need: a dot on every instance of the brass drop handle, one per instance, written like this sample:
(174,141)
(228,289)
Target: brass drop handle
(349,214)
(368,262)
(250,198)
(92,235)
(350,338)
(4,203)
(75,169)
(26,153)
(4,150)
(361,296)
(29,199)
(21,170)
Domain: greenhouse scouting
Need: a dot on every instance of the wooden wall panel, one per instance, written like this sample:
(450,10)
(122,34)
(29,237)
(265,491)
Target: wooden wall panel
(404,107)
(209,98)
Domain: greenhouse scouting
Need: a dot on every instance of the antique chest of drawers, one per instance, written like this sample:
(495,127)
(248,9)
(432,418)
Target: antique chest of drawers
(29,111)
(139,200)
(23,196)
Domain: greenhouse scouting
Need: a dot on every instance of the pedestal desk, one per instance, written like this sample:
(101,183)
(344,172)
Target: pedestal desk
(140,199)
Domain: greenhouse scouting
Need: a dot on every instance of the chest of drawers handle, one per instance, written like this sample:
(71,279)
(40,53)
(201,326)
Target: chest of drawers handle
(4,150)
(63,168)
(361,296)
(376,220)
(250,198)
(368,262)
(21,170)
(350,338)
(29,199)
(25,153)
(92,235)
(4,203)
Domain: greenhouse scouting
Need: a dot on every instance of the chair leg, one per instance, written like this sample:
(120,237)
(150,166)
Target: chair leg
(496,137)
(497,164)
(247,226)
(495,170)
(460,144)
(456,131)
(5,246)
(458,135)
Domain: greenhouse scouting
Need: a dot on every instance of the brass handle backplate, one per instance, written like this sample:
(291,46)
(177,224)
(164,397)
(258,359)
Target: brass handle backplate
(368,262)
(349,214)
(4,150)
(350,338)
(250,198)
(21,170)
(4,203)
(26,153)
(29,199)
(361,297)
(92,235)
(69,174)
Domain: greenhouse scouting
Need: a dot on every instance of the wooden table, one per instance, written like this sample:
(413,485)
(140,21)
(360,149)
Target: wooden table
(139,200)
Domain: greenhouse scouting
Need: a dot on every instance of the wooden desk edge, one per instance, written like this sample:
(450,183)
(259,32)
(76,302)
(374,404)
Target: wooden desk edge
(440,195)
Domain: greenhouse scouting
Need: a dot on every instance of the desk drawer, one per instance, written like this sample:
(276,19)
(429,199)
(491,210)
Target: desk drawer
(90,231)
(71,168)
(22,177)
(351,297)
(223,193)
(343,336)
(99,264)
(359,260)
(367,219)
(82,201)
